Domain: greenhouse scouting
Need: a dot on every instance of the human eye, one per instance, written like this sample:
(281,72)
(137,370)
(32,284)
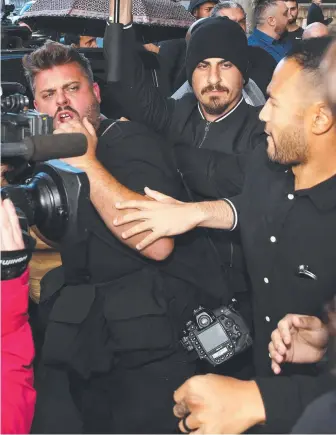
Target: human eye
(73,88)
(226,65)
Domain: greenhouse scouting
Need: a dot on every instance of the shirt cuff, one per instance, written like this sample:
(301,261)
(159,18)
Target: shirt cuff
(235,214)
(125,26)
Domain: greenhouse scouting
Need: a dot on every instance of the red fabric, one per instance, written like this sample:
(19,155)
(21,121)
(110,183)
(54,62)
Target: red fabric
(17,353)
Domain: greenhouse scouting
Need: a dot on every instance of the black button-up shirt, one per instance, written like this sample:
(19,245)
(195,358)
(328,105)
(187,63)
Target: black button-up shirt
(288,240)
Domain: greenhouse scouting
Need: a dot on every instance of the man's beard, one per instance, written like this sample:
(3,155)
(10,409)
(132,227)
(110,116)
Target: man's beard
(291,148)
(92,113)
(215,107)
(291,20)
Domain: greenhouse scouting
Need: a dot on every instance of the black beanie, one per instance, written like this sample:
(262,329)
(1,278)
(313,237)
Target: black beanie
(217,37)
(195,3)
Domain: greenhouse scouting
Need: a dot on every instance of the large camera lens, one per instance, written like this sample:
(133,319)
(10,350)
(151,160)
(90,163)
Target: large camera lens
(203,320)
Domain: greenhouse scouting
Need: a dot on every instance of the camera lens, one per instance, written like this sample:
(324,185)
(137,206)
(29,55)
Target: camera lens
(204,320)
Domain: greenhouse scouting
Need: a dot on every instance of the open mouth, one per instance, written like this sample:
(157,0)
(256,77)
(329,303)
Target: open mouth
(65,116)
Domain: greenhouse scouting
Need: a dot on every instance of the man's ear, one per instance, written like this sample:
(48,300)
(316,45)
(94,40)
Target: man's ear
(35,105)
(96,91)
(323,119)
(271,21)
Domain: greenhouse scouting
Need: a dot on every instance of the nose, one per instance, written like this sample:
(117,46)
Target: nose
(61,98)
(264,115)
(214,76)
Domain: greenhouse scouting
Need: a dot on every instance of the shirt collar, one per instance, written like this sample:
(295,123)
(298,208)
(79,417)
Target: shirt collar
(264,37)
(322,195)
(224,116)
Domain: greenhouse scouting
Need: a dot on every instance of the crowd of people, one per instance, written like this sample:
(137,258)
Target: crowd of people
(217,194)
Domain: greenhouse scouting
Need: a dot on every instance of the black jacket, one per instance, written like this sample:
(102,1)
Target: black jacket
(315,15)
(182,122)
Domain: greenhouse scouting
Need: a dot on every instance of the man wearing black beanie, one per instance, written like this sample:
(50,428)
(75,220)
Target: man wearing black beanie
(201,8)
(217,71)
(214,118)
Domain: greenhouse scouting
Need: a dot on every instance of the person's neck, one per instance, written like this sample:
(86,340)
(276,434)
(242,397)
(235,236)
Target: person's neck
(213,118)
(269,32)
(320,167)
(292,27)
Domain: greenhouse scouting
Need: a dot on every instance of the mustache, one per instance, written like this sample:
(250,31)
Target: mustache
(212,88)
(67,108)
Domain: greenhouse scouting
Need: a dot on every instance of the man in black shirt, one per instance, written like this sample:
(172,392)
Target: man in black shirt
(294,31)
(286,216)
(111,357)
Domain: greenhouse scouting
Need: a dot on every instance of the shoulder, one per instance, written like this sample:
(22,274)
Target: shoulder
(128,143)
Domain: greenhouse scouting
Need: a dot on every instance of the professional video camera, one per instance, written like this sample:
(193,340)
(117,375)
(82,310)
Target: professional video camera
(216,335)
(51,195)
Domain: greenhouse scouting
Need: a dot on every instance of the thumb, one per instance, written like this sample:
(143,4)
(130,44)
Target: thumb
(158,196)
(90,128)
(307,322)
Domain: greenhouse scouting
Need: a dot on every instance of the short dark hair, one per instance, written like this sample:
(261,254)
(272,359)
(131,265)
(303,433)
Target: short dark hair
(261,7)
(295,1)
(309,54)
(71,38)
(229,4)
(53,54)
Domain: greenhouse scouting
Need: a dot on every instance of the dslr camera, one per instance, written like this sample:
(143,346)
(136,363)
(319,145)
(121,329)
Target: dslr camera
(217,335)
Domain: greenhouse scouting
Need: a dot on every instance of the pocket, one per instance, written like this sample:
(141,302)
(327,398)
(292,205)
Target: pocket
(137,313)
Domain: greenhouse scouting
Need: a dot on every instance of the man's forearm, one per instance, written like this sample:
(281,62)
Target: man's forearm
(216,214)
(125,13)
(105,192)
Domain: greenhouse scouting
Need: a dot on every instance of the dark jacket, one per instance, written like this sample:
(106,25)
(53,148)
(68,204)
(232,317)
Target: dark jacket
(315,15)
(182,122)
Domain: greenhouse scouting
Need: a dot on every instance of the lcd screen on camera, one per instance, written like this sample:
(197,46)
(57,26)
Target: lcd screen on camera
(213,337)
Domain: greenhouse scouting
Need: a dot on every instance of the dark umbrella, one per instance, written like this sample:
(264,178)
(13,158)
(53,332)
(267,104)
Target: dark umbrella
(154,19)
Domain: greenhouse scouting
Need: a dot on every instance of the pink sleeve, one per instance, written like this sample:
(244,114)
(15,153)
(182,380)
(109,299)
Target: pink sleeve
(17,354)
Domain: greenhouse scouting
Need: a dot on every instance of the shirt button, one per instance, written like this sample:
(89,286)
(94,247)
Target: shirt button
(290,196)
(266,280)
(273,239)
(268,319)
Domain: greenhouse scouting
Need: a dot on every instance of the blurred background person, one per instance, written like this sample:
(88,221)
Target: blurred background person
(271,24)
(315,30)
(80,41)
(201,8)
(294,31)
(315,14)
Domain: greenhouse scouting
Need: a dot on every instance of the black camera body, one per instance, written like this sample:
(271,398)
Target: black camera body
(216,335)
(17,122)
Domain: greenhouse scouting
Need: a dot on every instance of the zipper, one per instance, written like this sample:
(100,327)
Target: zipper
(231,254)
(207,128)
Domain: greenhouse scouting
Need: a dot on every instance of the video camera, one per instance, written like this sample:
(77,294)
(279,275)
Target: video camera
(216,335)
(48,195)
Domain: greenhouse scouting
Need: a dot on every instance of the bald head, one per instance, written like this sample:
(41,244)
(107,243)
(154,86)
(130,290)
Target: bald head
(328,68)
(315,30)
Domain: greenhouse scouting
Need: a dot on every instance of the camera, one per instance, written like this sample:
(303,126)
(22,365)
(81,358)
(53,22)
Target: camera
(217,335)
(17,121)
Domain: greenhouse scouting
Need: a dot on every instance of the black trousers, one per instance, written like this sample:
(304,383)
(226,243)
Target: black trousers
(125,401)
